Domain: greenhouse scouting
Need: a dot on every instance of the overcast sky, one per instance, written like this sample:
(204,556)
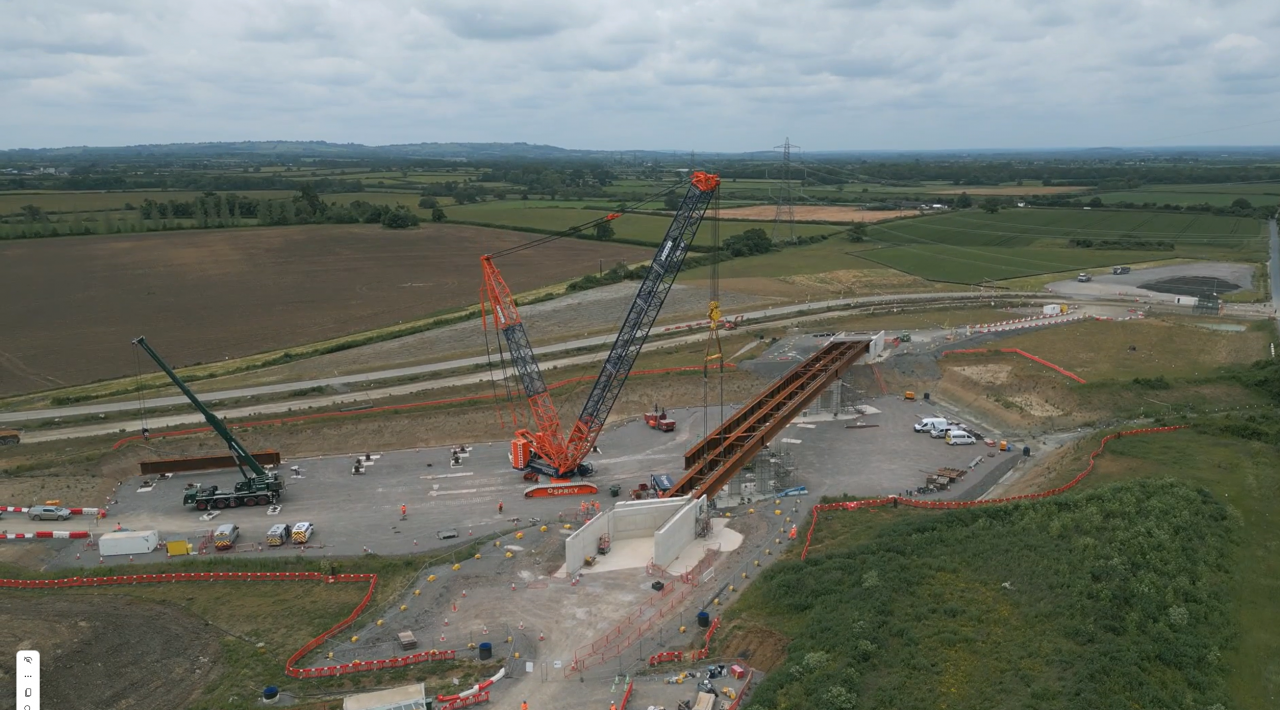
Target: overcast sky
(711,75)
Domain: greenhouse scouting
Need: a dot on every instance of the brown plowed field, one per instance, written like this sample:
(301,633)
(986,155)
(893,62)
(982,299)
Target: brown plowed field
(69,306)
(816,213)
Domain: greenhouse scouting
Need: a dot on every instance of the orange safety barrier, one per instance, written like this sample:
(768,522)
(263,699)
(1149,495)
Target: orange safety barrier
(626,697)
(947,505)
(390,407)
(481,697)
(1023,353)
(311,645)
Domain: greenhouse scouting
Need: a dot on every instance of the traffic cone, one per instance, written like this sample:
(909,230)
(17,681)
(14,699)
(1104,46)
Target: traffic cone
(131,558)
(415,543)
(441,637)
(464,594)
(541,637)
(513,586)
(522,626)
(446,621)
(99,560)
(468,533)
(77,555)
(484,630)
(455,607)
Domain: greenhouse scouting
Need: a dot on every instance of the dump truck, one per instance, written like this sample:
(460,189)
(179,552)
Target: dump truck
(9,437)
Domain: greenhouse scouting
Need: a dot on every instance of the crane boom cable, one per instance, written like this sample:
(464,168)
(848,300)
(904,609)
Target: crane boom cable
(577,229)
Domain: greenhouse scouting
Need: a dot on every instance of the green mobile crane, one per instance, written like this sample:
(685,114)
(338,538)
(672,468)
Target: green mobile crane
(259,487)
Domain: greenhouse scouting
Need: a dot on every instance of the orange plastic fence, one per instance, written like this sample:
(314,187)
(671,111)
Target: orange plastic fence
(948,504)
(626,697)
(390,407)
(311,645)
(1023,353)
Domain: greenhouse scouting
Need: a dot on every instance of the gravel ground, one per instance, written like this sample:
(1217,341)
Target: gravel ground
(1109,285)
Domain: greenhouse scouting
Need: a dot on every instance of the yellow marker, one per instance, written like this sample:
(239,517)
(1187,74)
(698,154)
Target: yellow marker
(379,622)
(517,655)
(403,607)
(418,592)
(354,639)
(716,601)
(520,536)
(510,555)
(766,551)
(681,631)
(456,567)
(757,563)
(543,528)
(777,512)
(751,510)
(497,543)
(744,576)
(567,526)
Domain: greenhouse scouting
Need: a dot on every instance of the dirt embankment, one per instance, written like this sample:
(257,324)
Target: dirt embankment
(108,652)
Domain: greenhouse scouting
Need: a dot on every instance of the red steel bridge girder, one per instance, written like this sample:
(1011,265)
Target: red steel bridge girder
(713,461)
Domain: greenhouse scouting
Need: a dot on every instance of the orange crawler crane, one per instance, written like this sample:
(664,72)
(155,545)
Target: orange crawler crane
(547,451)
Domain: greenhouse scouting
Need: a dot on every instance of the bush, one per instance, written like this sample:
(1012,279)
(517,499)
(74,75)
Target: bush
(400,218)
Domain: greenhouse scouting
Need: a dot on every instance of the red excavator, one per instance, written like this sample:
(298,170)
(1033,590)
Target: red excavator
(546,451)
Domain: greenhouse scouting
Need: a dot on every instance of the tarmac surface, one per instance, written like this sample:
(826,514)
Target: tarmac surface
(1130,285)
(887,456)
(358,514)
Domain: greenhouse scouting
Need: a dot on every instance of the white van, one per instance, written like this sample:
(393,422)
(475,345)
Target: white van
(224,538)
(279,534)
(930,424)
(302,533)
(942,431)
(956,437)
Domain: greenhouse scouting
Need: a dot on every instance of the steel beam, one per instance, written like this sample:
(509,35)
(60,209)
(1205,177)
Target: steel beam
(713,461)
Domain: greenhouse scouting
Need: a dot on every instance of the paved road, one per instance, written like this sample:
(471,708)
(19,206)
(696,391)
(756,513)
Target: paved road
(1275,267)
(769,313)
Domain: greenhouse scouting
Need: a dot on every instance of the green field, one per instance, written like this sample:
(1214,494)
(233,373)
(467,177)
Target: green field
(539,214)
(97,201)
(1218,195)
(972,246)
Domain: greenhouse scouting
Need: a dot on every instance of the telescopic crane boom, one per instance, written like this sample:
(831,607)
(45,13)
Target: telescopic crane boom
(259,487)
(561,456)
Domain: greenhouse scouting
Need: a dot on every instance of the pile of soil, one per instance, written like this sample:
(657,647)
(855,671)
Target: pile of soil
(108,651)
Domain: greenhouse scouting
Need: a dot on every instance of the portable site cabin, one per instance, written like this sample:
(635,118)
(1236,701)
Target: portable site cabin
(128,542)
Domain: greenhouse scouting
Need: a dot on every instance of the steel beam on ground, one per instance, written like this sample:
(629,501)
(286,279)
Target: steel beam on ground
(713,461)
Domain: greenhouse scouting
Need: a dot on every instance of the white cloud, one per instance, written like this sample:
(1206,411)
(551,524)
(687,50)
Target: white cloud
(620,74)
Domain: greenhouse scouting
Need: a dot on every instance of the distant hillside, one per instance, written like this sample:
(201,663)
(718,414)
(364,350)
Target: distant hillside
(319,149)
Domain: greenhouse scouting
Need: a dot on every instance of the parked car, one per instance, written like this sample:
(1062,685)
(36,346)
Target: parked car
(960,438)
(48,512)
(1084,278)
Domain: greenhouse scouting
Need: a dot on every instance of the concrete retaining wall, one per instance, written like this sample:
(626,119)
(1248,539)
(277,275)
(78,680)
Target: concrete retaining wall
(676,534)
(583,542)
(641,518)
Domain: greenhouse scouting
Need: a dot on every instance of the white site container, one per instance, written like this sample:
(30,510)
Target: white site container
(128,542)
(1052,309)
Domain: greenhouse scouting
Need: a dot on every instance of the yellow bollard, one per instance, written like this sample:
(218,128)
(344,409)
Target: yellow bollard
(331,655)
(751,510)
(777,501)
(379,622)
(354,639)
(508,639)
(766,551)
(418,592)
(716,601)
(777,541)
(543,528)
(788,519)
(498,543)
(757,563)
(519,536)
(777,512)
(568,526)
(681,631)
(516,655)
(510,555)
(477,555)
(403,607)
(744,575)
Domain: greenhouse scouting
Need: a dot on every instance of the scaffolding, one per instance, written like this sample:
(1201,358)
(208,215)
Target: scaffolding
(770,471)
